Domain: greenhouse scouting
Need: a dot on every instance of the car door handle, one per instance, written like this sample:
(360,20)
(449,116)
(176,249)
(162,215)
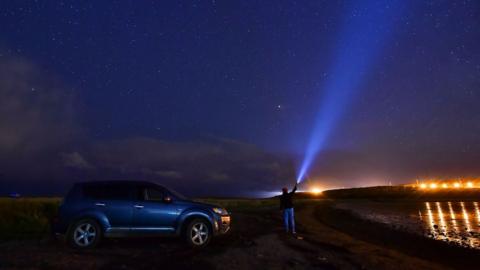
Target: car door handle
(100,204)
(138,206)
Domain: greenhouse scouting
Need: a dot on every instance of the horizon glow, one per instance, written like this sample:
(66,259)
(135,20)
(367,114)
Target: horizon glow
(365,31)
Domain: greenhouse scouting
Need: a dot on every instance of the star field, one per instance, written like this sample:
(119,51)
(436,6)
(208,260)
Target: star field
(255,72)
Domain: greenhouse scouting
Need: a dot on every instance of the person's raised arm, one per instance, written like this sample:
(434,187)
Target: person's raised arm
(294,188)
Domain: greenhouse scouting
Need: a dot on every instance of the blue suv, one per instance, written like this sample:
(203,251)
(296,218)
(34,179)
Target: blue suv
(93,210)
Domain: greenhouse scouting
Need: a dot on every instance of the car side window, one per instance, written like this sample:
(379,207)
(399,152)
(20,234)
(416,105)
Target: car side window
(107,192)
(154,194)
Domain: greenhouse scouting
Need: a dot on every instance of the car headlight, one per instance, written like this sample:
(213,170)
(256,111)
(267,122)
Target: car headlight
(220,211)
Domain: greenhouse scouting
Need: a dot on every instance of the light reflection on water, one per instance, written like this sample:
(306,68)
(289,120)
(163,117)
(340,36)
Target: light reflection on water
(477,213)
(460,223)
(452,221)
(452,217)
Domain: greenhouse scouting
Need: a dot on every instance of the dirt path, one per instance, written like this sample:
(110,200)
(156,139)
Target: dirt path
(321,248)
(277,250)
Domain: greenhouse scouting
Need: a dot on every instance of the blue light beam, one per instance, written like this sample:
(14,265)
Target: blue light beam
(364,34)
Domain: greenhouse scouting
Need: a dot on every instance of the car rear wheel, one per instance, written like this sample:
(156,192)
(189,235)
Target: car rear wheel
(84,234)
(198,233)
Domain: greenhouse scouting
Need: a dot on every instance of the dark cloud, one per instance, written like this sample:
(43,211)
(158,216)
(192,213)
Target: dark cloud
(36,109)
(75,160)
(42,148)
(218,167)
(36,117)
(214,167)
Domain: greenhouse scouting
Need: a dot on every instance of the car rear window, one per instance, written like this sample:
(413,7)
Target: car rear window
(107,191)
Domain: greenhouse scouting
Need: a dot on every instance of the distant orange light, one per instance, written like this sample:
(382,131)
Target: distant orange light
(444,185)
(470,184)
(316,191)
(456,185)
(433,185)
(423,186)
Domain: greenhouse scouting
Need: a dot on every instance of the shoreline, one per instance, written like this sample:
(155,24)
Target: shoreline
(448,254)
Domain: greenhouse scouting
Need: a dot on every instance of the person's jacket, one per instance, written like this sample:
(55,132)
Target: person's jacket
(286,199)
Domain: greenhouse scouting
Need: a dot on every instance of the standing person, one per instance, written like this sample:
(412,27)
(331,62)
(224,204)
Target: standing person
(286,204)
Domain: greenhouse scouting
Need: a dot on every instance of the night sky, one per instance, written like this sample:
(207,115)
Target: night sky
(221,97)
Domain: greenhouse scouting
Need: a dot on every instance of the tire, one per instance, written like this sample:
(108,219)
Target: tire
(84,234)
(198,233)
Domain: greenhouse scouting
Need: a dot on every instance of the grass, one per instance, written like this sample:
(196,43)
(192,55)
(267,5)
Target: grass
(26,217)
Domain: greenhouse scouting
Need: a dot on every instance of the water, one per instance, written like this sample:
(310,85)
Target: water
(452,221)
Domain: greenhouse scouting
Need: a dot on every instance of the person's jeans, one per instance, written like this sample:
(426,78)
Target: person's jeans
(289,220)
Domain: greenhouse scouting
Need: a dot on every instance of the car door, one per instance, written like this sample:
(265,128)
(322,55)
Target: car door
(152,213)
(115,201)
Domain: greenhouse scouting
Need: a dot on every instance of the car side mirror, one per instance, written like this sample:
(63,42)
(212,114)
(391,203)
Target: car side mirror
(167,199)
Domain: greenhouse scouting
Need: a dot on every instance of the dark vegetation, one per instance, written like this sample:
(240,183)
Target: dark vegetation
(26,218)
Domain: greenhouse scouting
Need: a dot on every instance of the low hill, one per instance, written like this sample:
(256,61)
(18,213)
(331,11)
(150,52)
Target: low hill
(403,192)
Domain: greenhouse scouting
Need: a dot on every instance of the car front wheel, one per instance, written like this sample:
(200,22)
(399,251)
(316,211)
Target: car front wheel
(84,234)
(198,233)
